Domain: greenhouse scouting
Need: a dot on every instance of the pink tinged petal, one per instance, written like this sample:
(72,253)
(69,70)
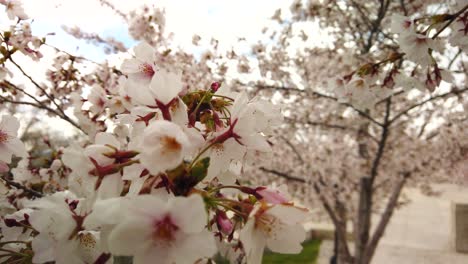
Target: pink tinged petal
(131,235)
(96,152)
(130,66)
(43,247)
(16,147)
(193,247)
(149,206)
(4,167)
(287,239)
(103,138)
(9,125)
(234,150)
(254,242)
(137,185)
(224,224)
(132,172)
(139,92)
(153,254)
(239,106)
(196,139)
(288,214)
(179,113)
(5,153)
(105,212)
(145,52)
(111,186)
(189,213)
(165,86)
(256,142)
(272,196)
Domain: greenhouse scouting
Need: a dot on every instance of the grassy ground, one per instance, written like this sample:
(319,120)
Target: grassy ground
(308,255)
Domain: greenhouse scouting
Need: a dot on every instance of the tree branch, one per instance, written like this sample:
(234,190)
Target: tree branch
(315,94)
(336,221)
(386,216)
(282,175)
(450,21)
(291,145)
(382,142)
(453,91)
(21,187)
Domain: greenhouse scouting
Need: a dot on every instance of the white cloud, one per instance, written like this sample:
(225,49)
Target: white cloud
(90,15)
(222,19)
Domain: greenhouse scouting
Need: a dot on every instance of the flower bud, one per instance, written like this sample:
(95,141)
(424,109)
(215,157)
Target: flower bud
(215,86)
(223,222)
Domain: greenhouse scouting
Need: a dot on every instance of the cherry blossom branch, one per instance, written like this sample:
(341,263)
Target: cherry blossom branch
(382,142)
(38,103)
(450,21)
(294,149)
(283,175)
(440,96)
(111,43)
(454,58)
(316,94)
(403,7)
(74,56)
(111,6)
(375,27)
(35,83)
(62,113)
(426,122)
(331,126)
(8,84)
(4,99)
(21,187)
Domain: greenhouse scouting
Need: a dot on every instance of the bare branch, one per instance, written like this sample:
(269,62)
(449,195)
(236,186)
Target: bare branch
(21,187)
(283,175)
(291,145)
(382,142)
(340,231)
(386,216)
(440,96)
(450,21)
(313,94)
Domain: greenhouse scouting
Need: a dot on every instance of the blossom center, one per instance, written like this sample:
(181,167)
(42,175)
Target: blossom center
(165,229)
(170,144)
(147,70)
(265,223)
(87,240)
(3,137)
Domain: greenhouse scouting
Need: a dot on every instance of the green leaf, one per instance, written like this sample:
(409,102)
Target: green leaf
(200,169)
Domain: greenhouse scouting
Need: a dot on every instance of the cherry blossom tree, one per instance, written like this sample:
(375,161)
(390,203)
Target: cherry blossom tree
(369,110)
(170,163)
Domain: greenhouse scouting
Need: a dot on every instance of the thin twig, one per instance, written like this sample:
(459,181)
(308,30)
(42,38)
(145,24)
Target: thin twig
(21,187)
(382,142)
(450,21)
(453,92)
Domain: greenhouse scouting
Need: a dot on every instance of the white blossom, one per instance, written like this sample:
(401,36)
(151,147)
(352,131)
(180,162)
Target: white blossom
(9,142)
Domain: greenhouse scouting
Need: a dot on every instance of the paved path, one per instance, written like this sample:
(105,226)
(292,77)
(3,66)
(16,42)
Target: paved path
(419,233)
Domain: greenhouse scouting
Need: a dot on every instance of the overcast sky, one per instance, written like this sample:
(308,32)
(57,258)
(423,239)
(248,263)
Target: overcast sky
(224,20)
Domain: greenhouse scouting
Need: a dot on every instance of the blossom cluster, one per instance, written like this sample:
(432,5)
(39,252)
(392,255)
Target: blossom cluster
(163,186)
(419,40)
